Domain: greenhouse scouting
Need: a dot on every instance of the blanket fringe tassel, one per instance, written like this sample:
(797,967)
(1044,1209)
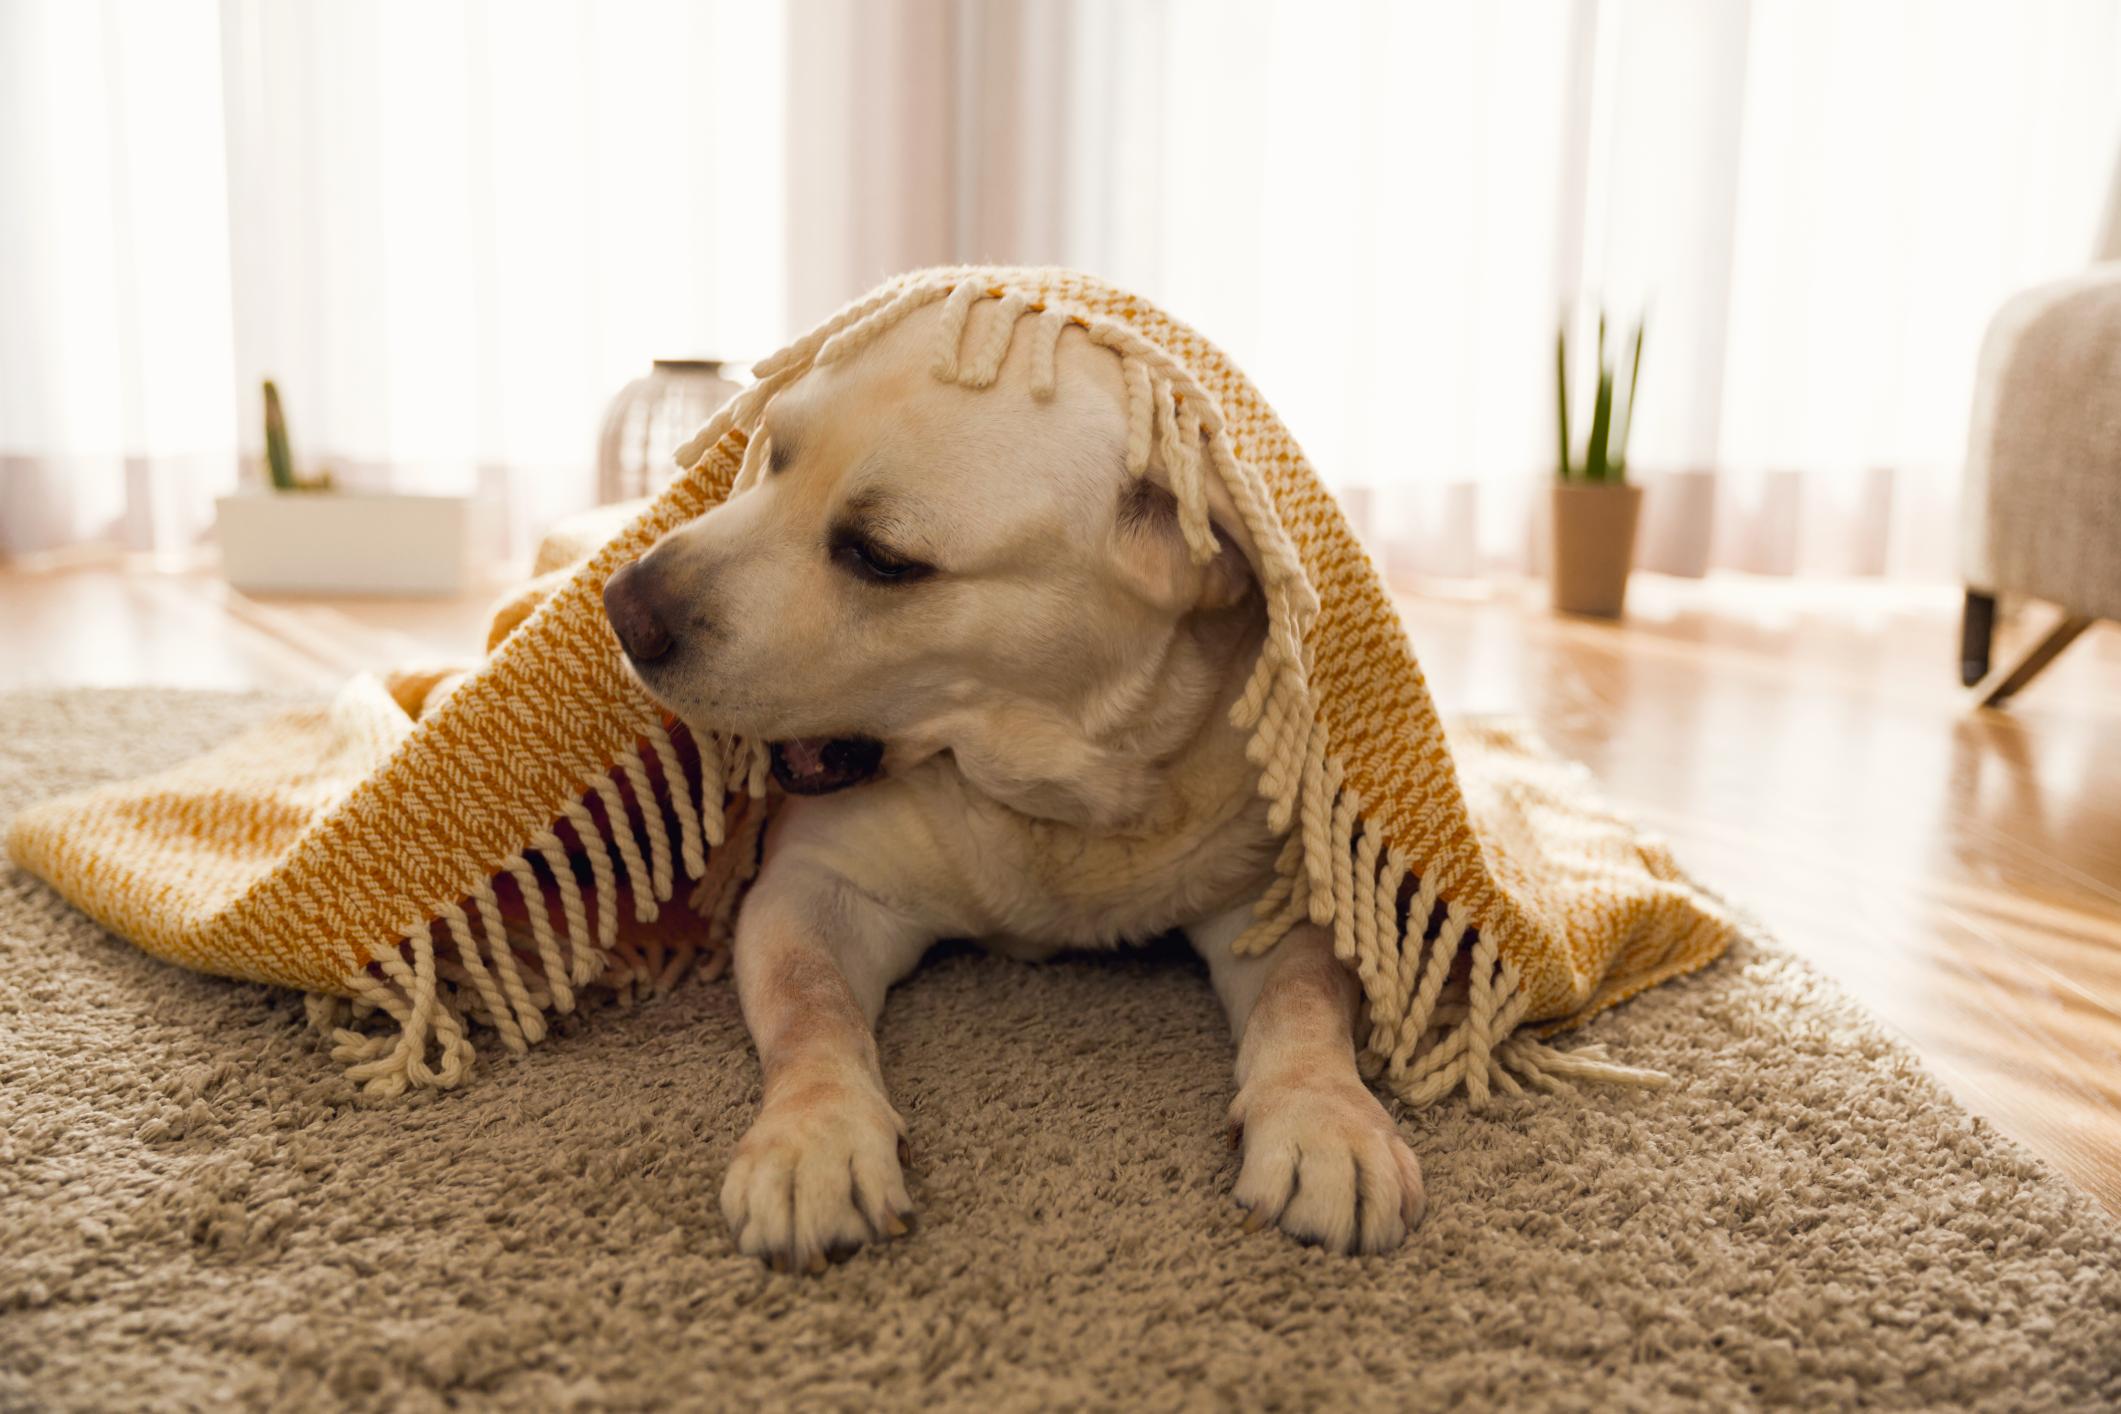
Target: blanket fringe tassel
(534,934)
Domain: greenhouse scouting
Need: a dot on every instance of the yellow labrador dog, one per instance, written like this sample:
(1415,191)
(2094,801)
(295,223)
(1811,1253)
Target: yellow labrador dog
(962,601)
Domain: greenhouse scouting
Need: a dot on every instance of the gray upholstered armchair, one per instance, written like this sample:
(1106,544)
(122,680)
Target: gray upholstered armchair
(2042,508)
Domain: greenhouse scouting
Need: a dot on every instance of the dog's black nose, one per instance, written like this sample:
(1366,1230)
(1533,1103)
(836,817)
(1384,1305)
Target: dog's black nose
(633,617)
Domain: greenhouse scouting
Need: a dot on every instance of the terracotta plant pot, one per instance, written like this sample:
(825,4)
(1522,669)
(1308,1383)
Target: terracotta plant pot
(1594,546)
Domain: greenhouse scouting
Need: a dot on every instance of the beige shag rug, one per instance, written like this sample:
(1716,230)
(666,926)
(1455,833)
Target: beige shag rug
(195,1210)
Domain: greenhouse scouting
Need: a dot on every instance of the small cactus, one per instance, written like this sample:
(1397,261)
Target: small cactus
(279,460)
(1605,452)
(279,456)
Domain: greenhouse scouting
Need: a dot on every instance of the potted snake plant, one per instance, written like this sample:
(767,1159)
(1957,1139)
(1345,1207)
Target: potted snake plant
(302,535)
(1596,508)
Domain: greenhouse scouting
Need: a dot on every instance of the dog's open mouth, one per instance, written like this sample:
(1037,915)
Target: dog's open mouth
(819,765)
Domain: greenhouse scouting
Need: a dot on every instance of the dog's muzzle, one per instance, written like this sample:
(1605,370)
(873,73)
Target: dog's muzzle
(819,765)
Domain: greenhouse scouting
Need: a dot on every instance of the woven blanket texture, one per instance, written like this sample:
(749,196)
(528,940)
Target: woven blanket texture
(438,851)
(195,1218)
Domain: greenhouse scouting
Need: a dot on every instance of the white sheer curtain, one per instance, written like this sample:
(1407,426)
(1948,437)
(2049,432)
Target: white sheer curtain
(1380,207)
(117,401)
(449,229)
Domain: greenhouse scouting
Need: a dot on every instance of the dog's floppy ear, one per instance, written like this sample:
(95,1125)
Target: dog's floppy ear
(1153,555)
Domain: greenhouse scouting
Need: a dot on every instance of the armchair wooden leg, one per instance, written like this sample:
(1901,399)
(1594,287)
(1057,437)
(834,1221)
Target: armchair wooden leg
(1977,631)
(2042,653)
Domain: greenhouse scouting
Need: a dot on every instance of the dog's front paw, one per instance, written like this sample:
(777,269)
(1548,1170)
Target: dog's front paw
(1325,1161)
(818,1176)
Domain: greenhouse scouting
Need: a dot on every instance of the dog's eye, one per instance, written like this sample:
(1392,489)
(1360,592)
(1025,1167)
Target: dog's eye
(866,559)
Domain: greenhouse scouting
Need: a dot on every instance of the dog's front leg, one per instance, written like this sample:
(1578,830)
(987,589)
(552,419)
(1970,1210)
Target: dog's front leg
(819,1174)
(1321,1156)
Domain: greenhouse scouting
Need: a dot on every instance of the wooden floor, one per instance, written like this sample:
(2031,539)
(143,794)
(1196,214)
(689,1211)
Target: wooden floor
(1806,748)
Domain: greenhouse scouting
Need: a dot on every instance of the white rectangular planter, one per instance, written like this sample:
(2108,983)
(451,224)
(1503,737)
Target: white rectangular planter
(334,542)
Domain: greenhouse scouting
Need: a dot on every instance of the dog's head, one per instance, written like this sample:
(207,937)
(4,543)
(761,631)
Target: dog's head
(912,567)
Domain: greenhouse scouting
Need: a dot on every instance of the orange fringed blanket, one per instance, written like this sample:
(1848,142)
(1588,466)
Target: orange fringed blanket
(446,854)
